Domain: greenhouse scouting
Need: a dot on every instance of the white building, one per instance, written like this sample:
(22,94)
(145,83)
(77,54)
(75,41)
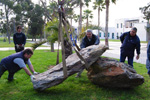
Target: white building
(125,25)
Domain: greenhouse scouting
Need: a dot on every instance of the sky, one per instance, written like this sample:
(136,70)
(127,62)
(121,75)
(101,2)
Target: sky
(122,9)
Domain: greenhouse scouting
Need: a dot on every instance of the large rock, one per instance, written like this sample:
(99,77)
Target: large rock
(54,76)
(111,73)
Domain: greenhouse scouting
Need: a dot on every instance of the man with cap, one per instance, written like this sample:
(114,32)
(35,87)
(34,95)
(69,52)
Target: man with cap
(88,40)
(130,41)
(16,62)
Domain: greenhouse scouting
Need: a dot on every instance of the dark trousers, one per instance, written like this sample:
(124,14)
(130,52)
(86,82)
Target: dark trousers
(130,59)
(3,69)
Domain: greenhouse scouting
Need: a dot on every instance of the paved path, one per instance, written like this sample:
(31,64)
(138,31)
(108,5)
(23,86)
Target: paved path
(113,52)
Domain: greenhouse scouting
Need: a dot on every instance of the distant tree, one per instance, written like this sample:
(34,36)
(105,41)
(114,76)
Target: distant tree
(107,2)
(8,6)
(80,3)
(36,22)
(100,5)
(87,14)
(52,30)
(146,11)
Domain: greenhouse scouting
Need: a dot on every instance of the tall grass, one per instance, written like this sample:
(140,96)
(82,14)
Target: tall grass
(71,89)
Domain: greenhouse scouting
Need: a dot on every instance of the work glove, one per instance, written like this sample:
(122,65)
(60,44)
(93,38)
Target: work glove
(22,45)
(32,77)
(35,73)
(17,45)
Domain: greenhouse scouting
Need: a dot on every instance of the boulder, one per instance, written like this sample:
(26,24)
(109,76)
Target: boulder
(112,73)
(54,76)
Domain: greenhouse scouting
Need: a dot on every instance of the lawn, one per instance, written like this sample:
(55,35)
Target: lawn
(71,89)
(6,44)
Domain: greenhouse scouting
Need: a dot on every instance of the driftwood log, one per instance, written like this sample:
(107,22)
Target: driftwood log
(54,76)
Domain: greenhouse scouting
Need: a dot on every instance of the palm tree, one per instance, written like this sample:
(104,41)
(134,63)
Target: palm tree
(52,28)
(100,5)
(146,11)
(80,3)
(107,2)
(87,14)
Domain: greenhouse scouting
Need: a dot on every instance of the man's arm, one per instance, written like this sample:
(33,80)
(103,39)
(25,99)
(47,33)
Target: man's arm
(122,37)
(27,71)
(138,45)
(82,45)
(148,52)
(31,68)
(24,42)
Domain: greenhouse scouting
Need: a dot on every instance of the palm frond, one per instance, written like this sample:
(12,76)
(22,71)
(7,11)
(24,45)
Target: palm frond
(37,44)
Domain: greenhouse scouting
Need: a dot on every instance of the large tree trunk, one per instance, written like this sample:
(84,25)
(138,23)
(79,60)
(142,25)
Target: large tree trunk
(106,27)
(54,76)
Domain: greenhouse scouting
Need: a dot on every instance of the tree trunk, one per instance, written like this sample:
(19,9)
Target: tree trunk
(80,20)
(7,20)
(106,27)
(68,48)
(98,19)
(87,22)
(52,47)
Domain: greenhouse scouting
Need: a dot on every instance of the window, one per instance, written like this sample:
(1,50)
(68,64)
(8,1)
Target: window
(121,25)
(117,36)
(117,25)
(99,34)
(112,35)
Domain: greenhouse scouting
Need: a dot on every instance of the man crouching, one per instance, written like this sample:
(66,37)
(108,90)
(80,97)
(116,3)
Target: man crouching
(16,62)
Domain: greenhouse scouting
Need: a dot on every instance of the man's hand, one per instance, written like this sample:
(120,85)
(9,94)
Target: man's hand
(17,45)
(35,73)
(22,45)
(137,57)
(32,77)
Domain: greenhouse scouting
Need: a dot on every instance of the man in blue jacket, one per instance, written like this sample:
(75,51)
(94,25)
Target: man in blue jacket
(148,58)
(130,41)
(88,40)
(19,39)
(16,62)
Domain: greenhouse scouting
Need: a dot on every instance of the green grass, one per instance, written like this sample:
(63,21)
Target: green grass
(71,89)
(6,44)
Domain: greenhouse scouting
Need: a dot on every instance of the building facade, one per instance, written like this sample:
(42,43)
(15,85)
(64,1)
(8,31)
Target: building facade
(125,25)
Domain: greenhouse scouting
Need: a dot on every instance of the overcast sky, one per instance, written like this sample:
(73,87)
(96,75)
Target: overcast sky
(122,9)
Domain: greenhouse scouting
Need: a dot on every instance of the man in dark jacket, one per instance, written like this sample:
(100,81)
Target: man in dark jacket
(16,62)
(148,58)
(88,40)
(19,39)
(130,41)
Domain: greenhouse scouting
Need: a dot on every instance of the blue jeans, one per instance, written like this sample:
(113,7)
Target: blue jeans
(130,59)
(3,69)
